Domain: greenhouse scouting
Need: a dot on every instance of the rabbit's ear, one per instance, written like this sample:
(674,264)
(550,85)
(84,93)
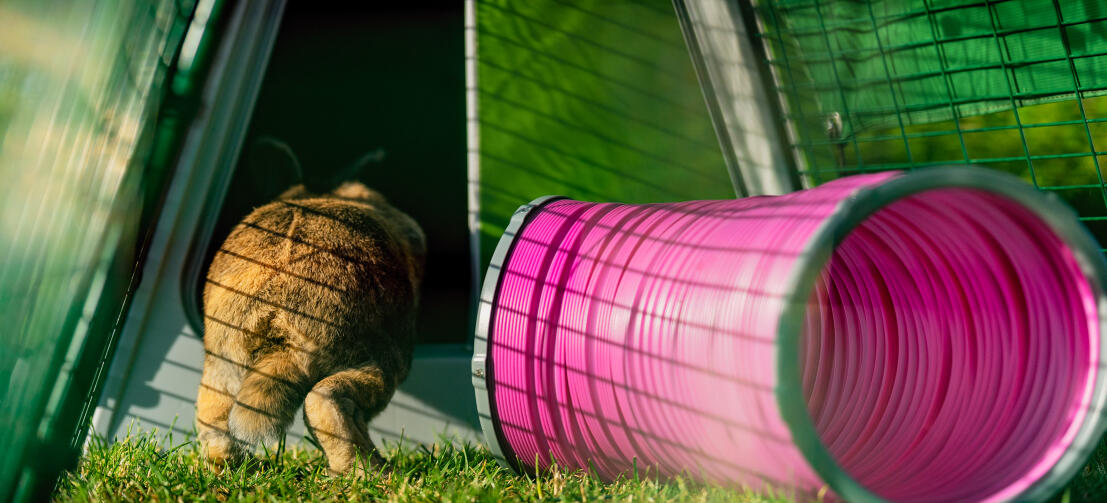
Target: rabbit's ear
(355,169)
(272,167)
(370,157)
(274,154)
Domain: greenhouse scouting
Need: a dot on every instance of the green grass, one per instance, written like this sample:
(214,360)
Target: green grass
(140,468)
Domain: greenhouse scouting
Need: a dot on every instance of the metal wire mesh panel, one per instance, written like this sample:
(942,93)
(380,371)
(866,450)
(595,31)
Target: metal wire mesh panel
(79,87)
(1010,85)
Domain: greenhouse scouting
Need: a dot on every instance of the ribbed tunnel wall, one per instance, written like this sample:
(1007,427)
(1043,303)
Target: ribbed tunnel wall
(922,337)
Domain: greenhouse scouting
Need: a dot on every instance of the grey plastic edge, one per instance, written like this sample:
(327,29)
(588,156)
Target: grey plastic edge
(472,151)
(848,215)
(229,94)
(710,98)
(739,93)
(247,67)
(482,364)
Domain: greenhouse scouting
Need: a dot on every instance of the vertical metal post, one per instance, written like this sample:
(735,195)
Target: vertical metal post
(472,154)
(737,87)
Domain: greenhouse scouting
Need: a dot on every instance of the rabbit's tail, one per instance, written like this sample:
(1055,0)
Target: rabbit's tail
(271,391)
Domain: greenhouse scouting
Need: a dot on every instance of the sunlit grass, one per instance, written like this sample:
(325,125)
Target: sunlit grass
(140,468)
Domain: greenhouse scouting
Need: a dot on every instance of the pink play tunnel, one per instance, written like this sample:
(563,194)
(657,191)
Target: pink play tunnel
(925,336)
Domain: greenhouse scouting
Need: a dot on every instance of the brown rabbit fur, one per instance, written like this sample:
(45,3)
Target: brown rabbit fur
(310,300)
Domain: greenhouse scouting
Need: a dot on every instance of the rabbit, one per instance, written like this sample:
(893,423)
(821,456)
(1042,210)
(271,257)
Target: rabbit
(312,300)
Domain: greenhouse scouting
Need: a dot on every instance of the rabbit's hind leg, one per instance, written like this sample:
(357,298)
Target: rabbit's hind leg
(337,413)
(218,384)
(273,388)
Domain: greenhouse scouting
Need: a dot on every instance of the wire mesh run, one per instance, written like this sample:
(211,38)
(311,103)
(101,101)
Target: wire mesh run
(1017,86)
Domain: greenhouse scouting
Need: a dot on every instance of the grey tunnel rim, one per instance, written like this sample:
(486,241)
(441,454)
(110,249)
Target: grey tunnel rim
(482,363)
(848,215)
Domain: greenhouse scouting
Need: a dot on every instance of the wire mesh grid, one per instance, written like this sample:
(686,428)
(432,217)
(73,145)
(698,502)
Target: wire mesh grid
(1012,85)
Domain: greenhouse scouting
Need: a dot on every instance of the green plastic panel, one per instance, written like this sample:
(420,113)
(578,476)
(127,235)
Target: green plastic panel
(80,84)
(594,100)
